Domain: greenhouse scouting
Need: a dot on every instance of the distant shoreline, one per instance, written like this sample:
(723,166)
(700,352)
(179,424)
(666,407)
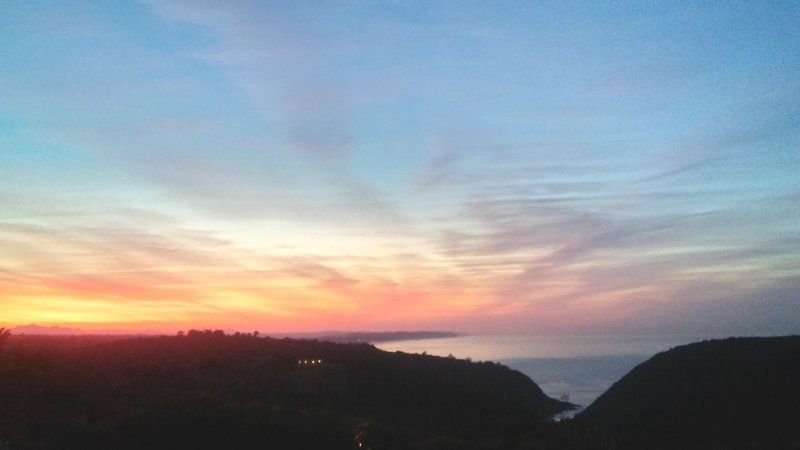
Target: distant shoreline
(370,337)
(383,336)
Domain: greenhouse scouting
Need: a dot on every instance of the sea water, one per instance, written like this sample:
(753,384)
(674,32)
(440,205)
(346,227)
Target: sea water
(579,368)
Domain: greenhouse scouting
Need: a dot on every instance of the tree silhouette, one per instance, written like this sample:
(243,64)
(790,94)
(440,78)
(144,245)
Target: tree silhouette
(4,334)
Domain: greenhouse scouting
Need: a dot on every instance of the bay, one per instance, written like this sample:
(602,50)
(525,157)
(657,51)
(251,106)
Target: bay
(578,367)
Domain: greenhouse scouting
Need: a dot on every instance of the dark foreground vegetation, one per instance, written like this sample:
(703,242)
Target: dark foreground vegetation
(208,390)
(738,393)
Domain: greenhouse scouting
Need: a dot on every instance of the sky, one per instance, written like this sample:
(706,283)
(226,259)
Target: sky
(486,167)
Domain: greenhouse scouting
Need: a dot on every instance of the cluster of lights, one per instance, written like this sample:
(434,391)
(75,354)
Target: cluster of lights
(306,362)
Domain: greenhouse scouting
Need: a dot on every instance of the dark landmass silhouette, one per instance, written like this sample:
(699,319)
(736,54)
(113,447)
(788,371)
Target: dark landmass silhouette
(737,393)
(207,390)
(211,390)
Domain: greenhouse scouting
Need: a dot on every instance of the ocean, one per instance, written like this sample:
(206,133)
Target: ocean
(580,368)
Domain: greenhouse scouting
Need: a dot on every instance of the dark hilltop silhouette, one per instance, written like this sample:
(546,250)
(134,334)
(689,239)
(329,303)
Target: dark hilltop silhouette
(737,393)
(206,389)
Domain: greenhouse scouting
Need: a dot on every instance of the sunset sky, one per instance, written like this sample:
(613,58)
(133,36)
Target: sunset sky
(498,167)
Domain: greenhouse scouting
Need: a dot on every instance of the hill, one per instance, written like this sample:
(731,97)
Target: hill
(209,390)
(46,331)
(39,330)
(737,393)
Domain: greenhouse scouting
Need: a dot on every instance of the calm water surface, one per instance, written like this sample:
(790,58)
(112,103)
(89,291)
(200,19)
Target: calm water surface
(582,367)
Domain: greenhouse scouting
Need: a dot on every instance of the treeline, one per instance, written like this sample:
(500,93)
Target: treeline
(4,335)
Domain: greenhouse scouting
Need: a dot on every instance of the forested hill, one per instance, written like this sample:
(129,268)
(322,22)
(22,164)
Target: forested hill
(737,393)
(208,390)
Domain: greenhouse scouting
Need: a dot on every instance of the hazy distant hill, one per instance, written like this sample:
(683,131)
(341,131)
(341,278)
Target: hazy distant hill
(383,336)
(331,336)
(738,393)
(46,331)
(39,330)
